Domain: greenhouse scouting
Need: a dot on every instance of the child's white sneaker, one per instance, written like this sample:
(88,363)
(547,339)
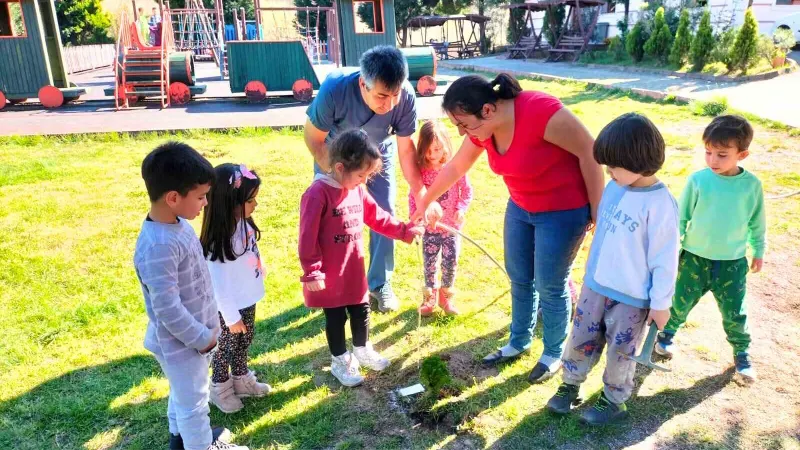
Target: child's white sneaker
(346,369)
(223,397)
(248,386)
(367,356)
(744,368)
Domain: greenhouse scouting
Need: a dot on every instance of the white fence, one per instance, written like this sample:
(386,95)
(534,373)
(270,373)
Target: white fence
(87,57)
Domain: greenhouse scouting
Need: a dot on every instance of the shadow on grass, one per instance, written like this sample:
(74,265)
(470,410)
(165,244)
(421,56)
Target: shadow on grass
(545,430)
(67,411)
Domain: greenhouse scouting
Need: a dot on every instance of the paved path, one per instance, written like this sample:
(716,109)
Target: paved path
(777,99)
(208,113)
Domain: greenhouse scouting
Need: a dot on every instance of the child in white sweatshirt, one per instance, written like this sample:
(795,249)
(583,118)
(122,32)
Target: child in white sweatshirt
(631,270)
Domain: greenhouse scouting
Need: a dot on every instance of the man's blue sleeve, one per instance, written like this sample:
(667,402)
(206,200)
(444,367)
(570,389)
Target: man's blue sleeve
(322,110)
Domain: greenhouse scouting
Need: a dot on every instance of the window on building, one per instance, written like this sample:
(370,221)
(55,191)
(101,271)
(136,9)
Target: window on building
(12,22)
(783,2)
(368,16)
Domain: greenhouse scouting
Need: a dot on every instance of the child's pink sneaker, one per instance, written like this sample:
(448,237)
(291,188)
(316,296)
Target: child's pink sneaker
(428,302)
(447,301)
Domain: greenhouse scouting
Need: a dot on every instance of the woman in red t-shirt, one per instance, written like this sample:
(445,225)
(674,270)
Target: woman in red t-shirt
(544,154)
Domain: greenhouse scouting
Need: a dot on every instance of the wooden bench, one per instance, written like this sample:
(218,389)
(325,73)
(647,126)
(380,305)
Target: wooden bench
(468,51)
(524,47)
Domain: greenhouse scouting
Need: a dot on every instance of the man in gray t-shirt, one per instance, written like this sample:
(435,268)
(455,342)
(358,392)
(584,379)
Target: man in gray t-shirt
(378,99)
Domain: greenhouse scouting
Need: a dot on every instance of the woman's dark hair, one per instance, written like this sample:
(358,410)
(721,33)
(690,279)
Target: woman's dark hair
(468,94)
(355,150)
(631,142)
(729,131)
(224,209)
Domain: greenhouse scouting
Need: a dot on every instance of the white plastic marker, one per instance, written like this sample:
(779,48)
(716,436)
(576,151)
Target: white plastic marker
(411,390)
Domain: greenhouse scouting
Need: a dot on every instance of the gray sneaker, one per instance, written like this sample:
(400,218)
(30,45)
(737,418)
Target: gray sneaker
(385,297)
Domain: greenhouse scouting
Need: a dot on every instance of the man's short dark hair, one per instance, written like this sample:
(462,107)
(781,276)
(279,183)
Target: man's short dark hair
(729,131)
(175,166)
(386,64)
(631,142)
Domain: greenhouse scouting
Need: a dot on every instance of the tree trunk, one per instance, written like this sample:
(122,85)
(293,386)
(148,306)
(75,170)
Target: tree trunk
(404,41)
(482,27)
(627,9)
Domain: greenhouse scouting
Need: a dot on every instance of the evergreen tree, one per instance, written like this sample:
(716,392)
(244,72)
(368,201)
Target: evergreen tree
(659,43)
(634,43)
(558,19)
(745,49)
(703,43)
(683,41)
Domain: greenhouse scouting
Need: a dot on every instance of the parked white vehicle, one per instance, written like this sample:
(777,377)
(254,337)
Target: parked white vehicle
(791,22)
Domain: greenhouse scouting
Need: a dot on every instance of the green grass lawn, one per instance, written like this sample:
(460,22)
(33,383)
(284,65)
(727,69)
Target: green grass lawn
(74,374)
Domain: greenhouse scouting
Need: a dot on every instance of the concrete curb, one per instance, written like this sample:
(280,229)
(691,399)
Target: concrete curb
(699,76)
(657,95)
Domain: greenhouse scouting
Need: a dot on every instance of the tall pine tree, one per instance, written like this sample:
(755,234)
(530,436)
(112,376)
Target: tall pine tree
(683,41)
(745,48)
(659,43)
(703,43)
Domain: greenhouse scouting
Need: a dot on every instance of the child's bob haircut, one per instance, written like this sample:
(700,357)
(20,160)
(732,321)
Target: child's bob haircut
(631,142)
(355,150)
(729,131)
(175,166)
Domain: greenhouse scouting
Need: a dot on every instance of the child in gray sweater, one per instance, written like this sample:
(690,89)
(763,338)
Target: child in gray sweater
(179,299)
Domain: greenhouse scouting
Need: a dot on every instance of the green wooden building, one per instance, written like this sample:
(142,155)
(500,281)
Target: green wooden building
(364,24)
(31,55)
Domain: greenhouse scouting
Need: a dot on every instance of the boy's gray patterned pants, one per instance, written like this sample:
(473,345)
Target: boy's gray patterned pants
(601,322)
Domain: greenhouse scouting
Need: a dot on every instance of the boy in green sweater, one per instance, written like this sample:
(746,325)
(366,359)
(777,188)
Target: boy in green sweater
(721,211)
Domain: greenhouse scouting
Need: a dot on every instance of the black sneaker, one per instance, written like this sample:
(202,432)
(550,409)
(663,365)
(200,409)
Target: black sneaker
(567,397)
(744,368)
(221,434)
(604,412)
(540,373)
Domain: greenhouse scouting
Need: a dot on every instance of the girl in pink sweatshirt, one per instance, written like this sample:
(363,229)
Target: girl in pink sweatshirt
(433,152)
(333,211)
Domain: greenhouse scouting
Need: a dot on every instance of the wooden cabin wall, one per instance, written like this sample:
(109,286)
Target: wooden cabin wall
(23,62)
(355,44)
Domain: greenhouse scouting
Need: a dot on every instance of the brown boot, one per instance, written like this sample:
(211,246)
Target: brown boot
(447,301)
(428,302)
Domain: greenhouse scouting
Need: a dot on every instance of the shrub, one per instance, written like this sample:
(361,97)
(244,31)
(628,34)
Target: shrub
(722,48)
(712,108)
(766,48)
(703,42)
(434,375)
(634,43)
(616,49)
(683,41)
(783,39)
(744,53)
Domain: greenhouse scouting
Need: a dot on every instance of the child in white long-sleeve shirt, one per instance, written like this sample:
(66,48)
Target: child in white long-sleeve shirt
(631,270)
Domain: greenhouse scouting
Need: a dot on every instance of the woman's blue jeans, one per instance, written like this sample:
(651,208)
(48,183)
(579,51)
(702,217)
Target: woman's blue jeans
(539,250)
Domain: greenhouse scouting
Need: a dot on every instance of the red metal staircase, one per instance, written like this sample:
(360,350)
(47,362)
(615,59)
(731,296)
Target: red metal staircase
(142,71)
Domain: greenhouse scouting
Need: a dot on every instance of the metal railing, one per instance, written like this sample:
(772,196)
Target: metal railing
(167,47)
